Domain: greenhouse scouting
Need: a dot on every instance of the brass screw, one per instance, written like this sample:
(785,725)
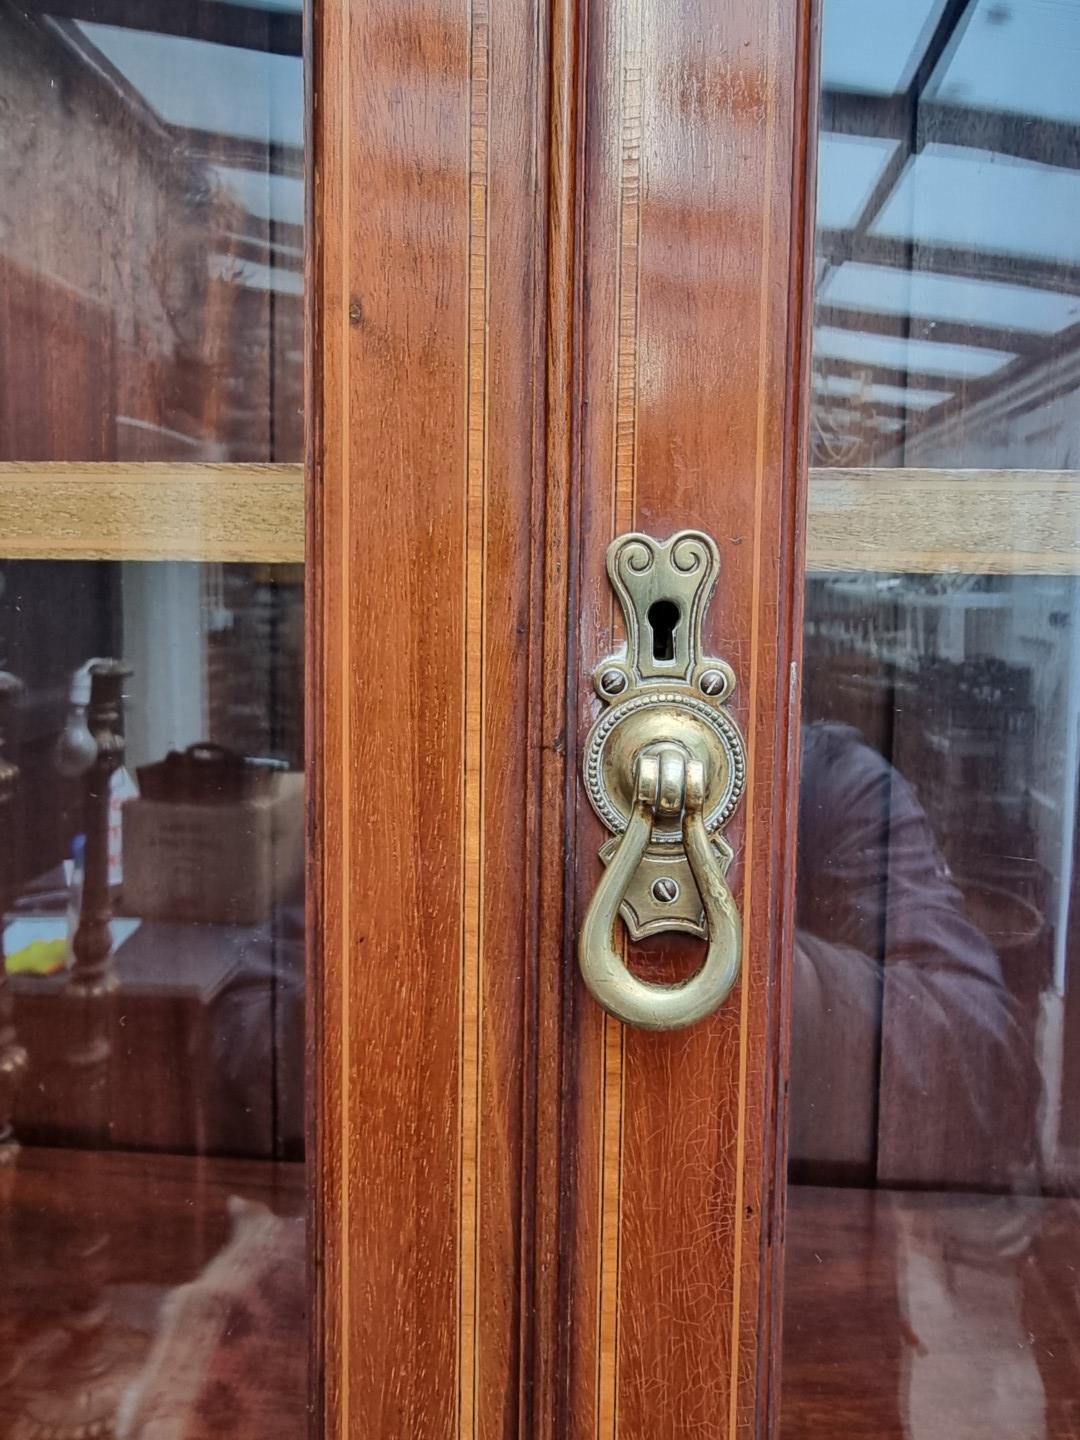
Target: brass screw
(665,890)
(613,682)
(711,682)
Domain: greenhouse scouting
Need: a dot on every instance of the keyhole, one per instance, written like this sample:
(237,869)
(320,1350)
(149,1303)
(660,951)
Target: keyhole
(664,619)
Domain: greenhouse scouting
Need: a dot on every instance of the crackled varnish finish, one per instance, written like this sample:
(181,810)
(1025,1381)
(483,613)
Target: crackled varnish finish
(557,293)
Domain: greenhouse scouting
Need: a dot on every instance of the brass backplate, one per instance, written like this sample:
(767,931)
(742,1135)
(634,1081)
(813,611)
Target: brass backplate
(662,689)
(663,894)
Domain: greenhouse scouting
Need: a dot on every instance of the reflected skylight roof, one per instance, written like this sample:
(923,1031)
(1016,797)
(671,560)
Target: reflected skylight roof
(978,198)
(841,415)
(1023,55)
(983,201)
(256,276)
(203,86)
(849,167)
(270,197)
(884,394)
(962,361)
(930,296)
(874,45)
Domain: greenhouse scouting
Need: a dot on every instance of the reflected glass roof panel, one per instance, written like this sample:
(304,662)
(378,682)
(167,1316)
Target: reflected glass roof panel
(874,45)
(1019,55)
(202,86)
(848,170)
(983,201)
(967,361)
(884,394)
(270,197)
(888,290)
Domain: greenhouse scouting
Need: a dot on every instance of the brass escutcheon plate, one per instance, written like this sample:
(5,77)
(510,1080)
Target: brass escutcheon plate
(662,687)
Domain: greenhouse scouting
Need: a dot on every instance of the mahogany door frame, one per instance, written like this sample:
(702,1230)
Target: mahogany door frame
(558,288)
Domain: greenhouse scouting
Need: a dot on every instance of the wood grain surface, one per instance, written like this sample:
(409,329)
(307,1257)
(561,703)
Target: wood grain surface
(887,520)
(547,239)
(147,510)
(425,392)
(981,522)
(691,376)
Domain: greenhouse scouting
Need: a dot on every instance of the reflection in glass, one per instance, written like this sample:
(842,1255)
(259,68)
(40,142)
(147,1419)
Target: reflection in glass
(948,249)
(152,1251)
(151,247)
(933,1120)
(933,1236)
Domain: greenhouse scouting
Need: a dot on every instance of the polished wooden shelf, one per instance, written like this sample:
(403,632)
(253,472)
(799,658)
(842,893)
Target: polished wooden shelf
(979,522)
(925,1316)
(167,1217)
(900,520)
(152,511)
(891,1298)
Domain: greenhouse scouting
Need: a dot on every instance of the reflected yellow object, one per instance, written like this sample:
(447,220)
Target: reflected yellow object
(40,957)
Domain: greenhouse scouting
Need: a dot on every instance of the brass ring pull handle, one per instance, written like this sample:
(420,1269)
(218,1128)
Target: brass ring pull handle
(664,768)
(667,782)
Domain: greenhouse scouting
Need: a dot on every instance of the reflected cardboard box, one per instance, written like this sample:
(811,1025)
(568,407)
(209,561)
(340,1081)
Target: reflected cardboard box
(224,861)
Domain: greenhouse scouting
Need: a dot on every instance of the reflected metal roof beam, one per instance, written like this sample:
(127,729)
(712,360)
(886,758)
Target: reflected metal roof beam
(1049,142)
(247,27)
(913,124)
(276,233)
(942,332)
(943,32)
(882,409)
(1061,346)
(1057,275)
(875,373)
(240,151)
(261,253)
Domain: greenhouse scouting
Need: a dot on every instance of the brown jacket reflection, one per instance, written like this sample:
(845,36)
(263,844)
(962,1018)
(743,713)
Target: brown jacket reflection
(943,1093)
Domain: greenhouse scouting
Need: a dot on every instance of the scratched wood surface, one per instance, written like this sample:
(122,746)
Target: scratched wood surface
(557,278)
(691,376)
(423,388)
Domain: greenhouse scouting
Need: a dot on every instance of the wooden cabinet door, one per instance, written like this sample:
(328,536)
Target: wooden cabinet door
(557,295)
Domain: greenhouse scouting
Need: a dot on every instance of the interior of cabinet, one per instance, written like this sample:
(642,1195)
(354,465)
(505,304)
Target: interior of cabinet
(151,513)
(933,1114)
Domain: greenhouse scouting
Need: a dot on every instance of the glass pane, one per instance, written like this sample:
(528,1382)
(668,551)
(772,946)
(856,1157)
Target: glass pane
(151,234)
(933,1235)
(152,1179)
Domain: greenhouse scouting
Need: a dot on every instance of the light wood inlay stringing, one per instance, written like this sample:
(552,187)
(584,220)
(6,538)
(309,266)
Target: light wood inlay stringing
(474,638)
(624,517)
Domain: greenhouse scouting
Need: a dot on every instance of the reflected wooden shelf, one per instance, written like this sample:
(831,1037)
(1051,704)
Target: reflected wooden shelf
(982,522)
(152,511)
(926,521)
(893,1296)
(169,1215)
